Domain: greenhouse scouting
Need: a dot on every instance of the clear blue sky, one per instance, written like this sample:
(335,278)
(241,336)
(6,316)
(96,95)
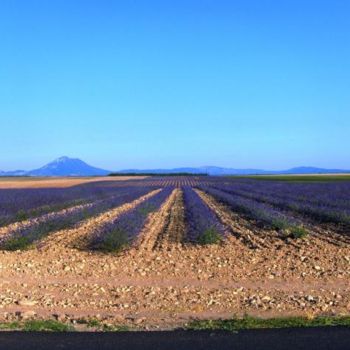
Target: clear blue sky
(144,84)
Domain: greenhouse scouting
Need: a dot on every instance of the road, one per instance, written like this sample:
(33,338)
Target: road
(294,339)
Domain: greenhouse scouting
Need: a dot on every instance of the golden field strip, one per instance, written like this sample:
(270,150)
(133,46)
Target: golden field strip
(57,182)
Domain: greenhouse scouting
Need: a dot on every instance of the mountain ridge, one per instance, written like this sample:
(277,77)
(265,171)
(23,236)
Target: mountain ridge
(214,170)
(62,166)
(65,166)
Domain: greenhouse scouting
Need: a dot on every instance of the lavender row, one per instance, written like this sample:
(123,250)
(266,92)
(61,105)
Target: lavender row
(318,211)
(262,213)
(332,195)
(202,225)
(26,235)
(22,215)
(21,204)
(117,234)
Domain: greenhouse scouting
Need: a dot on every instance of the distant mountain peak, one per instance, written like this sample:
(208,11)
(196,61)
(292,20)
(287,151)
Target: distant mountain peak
(65,159)
(66,166)
(62,159)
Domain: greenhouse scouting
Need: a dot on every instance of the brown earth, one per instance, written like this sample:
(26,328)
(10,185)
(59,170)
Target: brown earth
(50,182)
(161,283)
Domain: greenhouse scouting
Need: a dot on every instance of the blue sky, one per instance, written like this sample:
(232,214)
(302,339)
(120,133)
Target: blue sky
(145,84)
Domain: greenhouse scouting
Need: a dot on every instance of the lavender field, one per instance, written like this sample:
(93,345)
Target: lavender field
(139,251)
(290,209)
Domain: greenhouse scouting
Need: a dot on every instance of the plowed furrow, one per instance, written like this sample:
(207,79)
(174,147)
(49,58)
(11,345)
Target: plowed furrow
(156,224)
(7,230)
(236,223)
(332,238)
(172,234)
(79,236)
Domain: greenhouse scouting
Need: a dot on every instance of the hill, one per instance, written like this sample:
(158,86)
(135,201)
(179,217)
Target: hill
(65,166)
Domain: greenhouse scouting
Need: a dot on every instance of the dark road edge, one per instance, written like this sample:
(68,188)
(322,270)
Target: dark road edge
(319,338)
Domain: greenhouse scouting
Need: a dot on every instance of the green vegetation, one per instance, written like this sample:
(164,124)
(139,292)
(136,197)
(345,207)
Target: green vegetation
(37,326)
(21,215)
(10,326)
(248,322)
(231,325)
(42,229)
(55,326)
(299,178)
(49,325)
(278,223)
(209,236)
(288,230)
(146,209)
(17,243)
(298,232)
(115,241)
(92,323)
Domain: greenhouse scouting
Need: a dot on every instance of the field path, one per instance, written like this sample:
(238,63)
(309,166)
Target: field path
(156,223)
(61,182)
(173,233)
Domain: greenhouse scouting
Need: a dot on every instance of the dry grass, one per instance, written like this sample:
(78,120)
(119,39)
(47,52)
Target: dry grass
(61,182)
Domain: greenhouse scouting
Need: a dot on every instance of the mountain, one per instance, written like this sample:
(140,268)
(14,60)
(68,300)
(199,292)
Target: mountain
(162,171)
(13,173)
(313,170)
(65,166)
(219,171)
(62,166)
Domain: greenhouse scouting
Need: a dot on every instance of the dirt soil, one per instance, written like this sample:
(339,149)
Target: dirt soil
(58,182)
(162,283)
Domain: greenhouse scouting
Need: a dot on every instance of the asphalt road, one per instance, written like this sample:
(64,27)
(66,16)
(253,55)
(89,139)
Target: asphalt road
(287,339)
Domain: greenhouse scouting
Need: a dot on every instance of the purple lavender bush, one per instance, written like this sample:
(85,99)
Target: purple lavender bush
(23,237)
(261,212)
(202,224)
(21,204)
(324,202)
(116,235)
